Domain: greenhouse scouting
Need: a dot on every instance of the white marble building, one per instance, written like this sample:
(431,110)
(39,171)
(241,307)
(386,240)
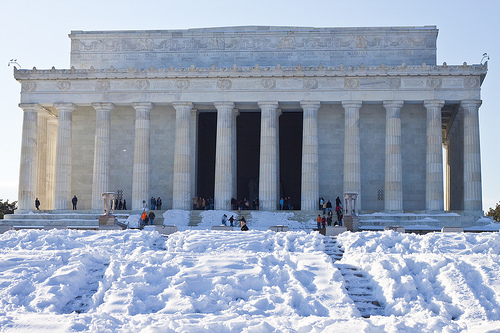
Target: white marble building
(254,111)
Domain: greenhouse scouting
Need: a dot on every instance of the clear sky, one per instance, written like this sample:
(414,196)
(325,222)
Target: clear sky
(36,34)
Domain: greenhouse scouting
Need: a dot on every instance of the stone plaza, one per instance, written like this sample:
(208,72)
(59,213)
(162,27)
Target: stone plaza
(255,112)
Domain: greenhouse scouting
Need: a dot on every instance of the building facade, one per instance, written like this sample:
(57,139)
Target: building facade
(254,112)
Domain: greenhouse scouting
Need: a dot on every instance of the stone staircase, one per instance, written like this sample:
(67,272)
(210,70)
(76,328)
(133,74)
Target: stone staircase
(420,220)
(359,286)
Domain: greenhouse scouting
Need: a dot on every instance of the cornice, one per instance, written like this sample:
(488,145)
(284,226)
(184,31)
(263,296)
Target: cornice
(256,71)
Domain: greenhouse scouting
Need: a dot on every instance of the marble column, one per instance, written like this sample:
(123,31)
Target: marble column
(268,168)
(102,157)
(182,156)
(51,160)
(352,155)
(235,115)
(434,193)
(393,160)
(27,170)
(310,176)
(224,156)
(472,156)
(194,152)
(42,156)
(141,167)
(62,182)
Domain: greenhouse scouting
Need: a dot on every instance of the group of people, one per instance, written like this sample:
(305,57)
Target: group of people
(155,204)
(200,203)
(285,203)
(243,222)
(326,206)
(147,218)
(120,205)
(244,204)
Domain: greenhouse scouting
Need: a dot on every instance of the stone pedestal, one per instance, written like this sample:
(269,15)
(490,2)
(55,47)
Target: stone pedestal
(351,222)
(107,220)
(109,205)
(350,219)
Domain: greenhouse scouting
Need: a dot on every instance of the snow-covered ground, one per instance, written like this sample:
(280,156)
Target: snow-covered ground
(198,280)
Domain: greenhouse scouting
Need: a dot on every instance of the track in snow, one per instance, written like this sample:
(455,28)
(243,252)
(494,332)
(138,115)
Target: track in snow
(359,286)
(80,303)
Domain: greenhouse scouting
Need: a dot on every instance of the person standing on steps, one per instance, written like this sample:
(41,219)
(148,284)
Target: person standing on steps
(318,221)
(37,204)
(158,203)
(124,204)
(74,201)
(151,216)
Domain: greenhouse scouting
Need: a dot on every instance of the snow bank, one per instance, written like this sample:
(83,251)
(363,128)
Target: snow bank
(256,281)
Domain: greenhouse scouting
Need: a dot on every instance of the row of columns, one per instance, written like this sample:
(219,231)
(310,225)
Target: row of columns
(36,123)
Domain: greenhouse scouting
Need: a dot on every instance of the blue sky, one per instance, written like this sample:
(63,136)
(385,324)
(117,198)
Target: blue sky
(36,34)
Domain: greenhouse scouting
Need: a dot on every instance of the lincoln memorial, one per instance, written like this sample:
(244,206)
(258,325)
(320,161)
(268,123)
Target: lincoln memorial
(254,112)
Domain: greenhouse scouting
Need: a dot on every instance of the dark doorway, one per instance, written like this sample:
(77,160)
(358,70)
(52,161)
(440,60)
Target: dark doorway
(291,156)
(248,155)
(207,132)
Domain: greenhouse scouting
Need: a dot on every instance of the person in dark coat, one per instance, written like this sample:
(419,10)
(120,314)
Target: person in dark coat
(243,225)
(74,201)
(158,203)
(151,216)
(337,201)
(231,220)
(37,204)
(124,204)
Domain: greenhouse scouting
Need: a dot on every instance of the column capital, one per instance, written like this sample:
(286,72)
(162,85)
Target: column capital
(182,106)
(224,105)
(352,104)
(142,106)
(471,103)
(65,106)
(268,104)
(310,104)
(103,106)
(30,107)
(393,104)
(433,104)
